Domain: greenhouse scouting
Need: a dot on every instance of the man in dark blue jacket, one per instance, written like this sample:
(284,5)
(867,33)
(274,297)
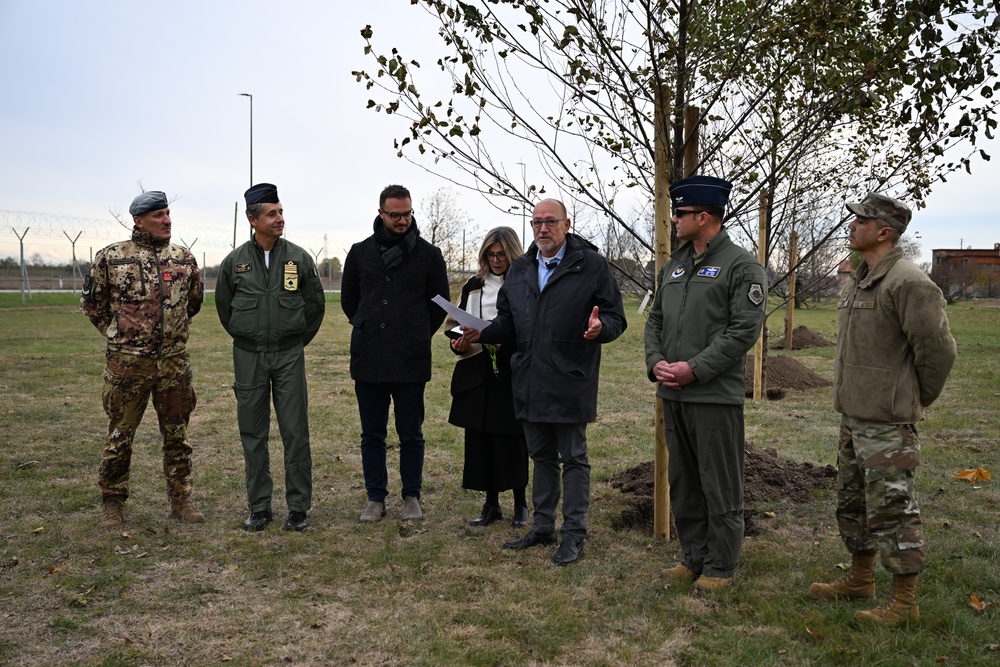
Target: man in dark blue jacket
(559,303)
(388,282)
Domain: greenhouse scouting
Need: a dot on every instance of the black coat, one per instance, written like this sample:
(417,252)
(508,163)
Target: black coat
(555,370)
(481,399)
(391,312)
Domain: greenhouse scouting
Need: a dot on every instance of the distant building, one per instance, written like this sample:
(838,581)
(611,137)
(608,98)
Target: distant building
(969,273)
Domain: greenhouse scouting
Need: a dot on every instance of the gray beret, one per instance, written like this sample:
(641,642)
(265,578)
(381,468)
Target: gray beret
(151,200)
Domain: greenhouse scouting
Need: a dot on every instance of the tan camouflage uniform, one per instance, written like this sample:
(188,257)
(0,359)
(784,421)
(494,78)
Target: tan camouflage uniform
(894,353)
(142,294)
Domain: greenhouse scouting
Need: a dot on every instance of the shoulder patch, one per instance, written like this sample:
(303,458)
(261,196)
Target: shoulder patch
(709,271)
(242,267)
(756,294)
(678,272)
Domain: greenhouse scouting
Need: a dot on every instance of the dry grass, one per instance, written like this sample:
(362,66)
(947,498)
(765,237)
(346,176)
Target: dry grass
(440,592)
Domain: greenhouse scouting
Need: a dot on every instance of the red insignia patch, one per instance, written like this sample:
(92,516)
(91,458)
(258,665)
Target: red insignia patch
(168,276)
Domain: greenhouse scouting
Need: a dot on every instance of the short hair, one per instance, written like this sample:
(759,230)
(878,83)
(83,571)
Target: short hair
(718,212)
(506,237)
(393,192)
(894,234)
(253,210)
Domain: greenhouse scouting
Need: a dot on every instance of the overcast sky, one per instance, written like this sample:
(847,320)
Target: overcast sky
(98,95)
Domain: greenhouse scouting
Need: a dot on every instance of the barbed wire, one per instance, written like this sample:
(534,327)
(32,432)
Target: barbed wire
(51,230)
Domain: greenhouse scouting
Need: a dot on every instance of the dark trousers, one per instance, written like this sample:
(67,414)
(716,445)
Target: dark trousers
(407,399)
(706,444)
(550,445)
(281,376)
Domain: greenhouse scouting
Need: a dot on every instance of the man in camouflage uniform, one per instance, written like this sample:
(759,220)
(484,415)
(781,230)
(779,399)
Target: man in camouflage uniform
(141,294)
(894,353)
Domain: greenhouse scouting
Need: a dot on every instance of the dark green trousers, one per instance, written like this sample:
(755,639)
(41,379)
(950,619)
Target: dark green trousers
(706,444)
(261,376)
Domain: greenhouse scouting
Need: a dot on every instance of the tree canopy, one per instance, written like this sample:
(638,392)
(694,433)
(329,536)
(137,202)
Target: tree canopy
(810,103)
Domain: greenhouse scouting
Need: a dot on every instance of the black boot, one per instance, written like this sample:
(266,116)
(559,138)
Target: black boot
(490,514)
(521,517)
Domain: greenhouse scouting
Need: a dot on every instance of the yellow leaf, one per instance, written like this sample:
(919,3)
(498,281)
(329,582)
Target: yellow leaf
(973,475)
(39,530)
(817,635)
(976,603)
(770,515)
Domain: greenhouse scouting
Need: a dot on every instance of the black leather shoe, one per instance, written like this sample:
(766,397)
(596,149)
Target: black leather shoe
(530,540)
(490,514)
(521,517)
(296,521)
(257,521)
(569,552)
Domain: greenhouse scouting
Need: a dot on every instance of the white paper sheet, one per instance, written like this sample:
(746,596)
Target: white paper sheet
(462,317)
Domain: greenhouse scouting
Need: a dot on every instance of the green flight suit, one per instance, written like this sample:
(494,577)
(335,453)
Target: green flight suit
(272,312)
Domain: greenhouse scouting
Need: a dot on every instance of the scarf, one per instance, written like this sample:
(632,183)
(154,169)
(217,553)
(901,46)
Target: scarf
(394,248)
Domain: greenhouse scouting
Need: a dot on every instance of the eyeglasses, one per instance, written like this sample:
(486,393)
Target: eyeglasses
(550,223)
(496,255)
(395,217)
(680,213)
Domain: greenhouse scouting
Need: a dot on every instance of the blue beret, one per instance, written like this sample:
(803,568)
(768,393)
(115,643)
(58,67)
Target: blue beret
(152,200)
(700,191)
(262,193)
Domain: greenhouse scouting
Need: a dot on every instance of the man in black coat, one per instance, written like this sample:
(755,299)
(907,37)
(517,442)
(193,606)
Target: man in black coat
(388,282)
(559,302)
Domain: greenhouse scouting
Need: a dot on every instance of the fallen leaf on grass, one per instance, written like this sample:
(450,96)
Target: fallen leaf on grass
(941,658)
(973,475)
(993,647)
(843,566)
(770,515)
(52,570)
(817,635)
(39,530)
(977,604)
(27,464)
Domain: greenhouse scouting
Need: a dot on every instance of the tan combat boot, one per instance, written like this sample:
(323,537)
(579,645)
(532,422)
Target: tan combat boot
(901,605)
(857,584)
(184,510)
(114,512)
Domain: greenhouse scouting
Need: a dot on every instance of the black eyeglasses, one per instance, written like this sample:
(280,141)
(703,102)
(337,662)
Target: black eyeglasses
(680,213)
(395,217)
(550,223)
(496,255)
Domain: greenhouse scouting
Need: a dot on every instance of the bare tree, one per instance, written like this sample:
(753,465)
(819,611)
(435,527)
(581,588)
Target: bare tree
(445,225)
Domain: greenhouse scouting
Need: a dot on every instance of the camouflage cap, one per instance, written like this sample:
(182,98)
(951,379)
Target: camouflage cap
(890,211)
(151,200)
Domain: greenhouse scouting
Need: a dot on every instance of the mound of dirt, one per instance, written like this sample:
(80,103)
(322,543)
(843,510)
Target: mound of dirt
(784,373)
(804,337)
(767,478)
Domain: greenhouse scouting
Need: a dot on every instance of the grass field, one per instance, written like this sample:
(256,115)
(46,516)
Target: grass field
(439,592)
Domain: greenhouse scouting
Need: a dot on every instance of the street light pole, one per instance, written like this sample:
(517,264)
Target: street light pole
(251,135)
